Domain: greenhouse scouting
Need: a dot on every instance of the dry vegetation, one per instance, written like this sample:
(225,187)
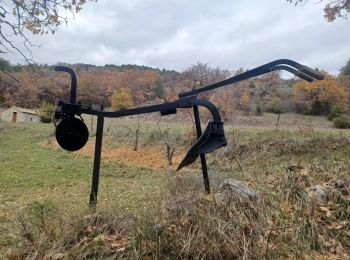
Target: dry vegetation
(281,223)
(180,221)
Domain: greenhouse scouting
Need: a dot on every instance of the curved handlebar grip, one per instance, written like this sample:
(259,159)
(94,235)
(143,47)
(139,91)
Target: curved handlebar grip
(73,87)
(304,69)
(65,69)
(311,72)
(293,71)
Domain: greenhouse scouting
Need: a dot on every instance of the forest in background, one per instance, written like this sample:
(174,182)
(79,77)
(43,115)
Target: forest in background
(133,85)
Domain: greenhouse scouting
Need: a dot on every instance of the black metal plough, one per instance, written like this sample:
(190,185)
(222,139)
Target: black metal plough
(72,133)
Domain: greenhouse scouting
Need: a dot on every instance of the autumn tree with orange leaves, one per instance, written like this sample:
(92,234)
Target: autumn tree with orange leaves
(321,96)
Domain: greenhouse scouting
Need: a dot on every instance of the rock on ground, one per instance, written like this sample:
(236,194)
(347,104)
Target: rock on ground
(231,187)
(319,193)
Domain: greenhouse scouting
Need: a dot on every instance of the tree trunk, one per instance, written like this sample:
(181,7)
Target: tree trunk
(170,152)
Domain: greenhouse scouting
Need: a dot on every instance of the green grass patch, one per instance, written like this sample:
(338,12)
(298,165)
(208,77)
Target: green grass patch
(29,172)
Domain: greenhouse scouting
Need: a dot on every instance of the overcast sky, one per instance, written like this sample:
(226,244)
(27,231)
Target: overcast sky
(176,34)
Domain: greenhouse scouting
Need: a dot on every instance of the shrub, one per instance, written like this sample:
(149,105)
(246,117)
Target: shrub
(320,108)
(274,106)
(335,112)
(45,119)
(47,112)
(251,84)
(342,122)
(259,110)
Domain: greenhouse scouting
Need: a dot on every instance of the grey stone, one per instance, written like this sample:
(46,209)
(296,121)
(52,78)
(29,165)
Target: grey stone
(342,185)
(231,187)
(319,193)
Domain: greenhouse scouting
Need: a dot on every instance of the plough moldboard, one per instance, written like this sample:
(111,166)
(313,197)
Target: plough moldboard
(72,133)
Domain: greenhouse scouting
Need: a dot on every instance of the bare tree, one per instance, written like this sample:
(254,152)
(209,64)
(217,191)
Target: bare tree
(20,17)
(170,149)
(137,133)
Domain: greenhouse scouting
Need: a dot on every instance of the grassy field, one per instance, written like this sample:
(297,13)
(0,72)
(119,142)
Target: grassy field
(30,172)
(148,210)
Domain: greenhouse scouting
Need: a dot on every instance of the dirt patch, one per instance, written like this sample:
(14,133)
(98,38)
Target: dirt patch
(152,157)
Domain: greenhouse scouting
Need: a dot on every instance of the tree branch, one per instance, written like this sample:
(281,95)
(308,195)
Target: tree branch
(32,16)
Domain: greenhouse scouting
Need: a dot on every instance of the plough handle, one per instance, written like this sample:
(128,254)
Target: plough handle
(73,85)
(293,67)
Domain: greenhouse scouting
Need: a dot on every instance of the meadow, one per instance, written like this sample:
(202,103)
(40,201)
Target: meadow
(147,210)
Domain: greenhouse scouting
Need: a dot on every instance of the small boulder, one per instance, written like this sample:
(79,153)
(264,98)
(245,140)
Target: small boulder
(318,193)
(231,187)
(340,183)
(343,186)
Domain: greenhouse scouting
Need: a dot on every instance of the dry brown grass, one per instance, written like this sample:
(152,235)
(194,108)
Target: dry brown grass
(283,222)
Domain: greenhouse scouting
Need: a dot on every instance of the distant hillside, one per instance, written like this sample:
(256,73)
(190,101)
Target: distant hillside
(30,86)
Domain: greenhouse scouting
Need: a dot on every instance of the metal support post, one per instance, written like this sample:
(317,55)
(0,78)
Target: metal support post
(197,121)
(97,160)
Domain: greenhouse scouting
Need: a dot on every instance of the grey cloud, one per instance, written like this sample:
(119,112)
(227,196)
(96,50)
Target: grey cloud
(176,34)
